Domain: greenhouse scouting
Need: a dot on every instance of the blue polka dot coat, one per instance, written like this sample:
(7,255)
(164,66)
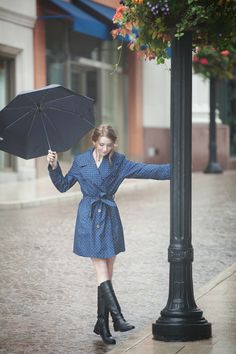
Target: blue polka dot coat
(98,230)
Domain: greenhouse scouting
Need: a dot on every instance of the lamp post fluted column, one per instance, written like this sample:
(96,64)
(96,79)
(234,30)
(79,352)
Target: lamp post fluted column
(181,319)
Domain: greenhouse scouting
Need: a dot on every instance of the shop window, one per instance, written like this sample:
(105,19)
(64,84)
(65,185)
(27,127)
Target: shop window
(6,94)
(85,65)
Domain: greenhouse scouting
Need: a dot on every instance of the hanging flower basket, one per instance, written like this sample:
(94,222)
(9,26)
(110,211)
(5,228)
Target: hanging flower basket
(150,25)
(210,63)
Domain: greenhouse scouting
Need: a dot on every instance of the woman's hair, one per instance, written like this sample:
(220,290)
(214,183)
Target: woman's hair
(104,130)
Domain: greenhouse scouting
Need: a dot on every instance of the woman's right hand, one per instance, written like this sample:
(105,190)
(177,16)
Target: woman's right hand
(52,159)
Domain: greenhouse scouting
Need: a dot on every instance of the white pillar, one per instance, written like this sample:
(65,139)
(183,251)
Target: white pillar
(201,101)
(16,41)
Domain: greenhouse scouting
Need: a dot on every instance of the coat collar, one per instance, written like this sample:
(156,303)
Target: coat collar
(87,158)
(104,175)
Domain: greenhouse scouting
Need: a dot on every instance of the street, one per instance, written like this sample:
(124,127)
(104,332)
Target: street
(48,294)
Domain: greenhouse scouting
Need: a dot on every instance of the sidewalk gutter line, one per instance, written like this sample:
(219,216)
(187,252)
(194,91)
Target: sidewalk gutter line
(204,290)
(221,281)
(135,344)
(218,279)
(180,350)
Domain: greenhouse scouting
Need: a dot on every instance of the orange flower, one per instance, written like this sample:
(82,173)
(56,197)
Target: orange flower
(115,33)
(128,26)
(119,13)
(123,32)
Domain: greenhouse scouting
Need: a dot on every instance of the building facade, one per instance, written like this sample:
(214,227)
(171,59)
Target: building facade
(156,119)
(83,57)
(66,42)
(16,72)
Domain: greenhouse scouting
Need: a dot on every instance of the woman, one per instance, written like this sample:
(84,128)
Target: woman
(98,232)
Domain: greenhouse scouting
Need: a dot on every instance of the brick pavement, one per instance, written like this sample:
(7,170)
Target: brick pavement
(48,294)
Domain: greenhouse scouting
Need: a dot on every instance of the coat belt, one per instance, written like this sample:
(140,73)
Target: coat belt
(104,198)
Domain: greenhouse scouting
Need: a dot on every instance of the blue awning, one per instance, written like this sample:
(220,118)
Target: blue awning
(83,22)
(103,13)
(100,11)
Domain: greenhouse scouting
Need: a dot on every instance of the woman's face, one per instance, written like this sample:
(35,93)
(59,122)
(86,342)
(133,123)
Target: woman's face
(104,146)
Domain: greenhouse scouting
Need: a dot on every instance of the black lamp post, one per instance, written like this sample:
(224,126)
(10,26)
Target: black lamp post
(213,164)
(181,319)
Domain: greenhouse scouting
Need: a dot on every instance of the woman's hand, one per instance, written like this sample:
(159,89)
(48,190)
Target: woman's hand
(52,159)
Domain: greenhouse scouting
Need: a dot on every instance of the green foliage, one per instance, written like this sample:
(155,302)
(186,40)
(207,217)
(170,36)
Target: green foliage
(151,24)
(208,62)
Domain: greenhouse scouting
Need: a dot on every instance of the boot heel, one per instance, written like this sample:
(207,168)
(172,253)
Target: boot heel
(102,326)
(108,294)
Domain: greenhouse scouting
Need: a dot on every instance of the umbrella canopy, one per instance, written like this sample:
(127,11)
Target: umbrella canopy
(51,118)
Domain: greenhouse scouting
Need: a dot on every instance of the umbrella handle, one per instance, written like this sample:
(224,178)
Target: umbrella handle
(45,131)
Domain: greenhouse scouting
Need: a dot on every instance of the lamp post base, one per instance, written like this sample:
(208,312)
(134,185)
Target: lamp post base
(213,167)
(171,331)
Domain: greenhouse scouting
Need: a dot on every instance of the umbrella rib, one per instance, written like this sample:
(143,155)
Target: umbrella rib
(63,110)
(89,122)
(30,99)
(44,95)
(54,127)
(45,131)
(21,117)
(59,99)
(15,108)
(31,125)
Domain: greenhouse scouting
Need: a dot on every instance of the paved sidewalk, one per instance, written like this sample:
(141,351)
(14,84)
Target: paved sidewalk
(218,300)
(21,194)
(48,295)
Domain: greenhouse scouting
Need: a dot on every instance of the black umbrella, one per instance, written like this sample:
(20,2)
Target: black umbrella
(51,118)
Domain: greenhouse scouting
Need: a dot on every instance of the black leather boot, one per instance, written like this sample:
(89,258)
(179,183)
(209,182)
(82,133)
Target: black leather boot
(102,325)
(113,306)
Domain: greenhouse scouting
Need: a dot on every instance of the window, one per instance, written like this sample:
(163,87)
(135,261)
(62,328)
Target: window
(6,93)
(84,64)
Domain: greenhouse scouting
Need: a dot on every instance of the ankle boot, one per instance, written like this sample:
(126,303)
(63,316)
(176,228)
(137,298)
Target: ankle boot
(102,325)
(113,306)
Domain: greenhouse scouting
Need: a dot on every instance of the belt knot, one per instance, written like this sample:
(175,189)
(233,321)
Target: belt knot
(102,197)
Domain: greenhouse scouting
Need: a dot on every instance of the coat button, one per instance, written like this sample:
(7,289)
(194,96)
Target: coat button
(98,226)
(99,210)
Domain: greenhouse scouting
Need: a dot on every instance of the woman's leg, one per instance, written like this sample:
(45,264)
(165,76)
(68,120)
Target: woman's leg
(101,268)
(102,324)
(110,265)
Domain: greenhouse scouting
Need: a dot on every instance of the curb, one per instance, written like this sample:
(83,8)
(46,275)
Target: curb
(128,186)
(39,201)
(139,337)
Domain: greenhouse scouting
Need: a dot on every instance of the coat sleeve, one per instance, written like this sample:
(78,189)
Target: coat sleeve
(63,183)
(141,170)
